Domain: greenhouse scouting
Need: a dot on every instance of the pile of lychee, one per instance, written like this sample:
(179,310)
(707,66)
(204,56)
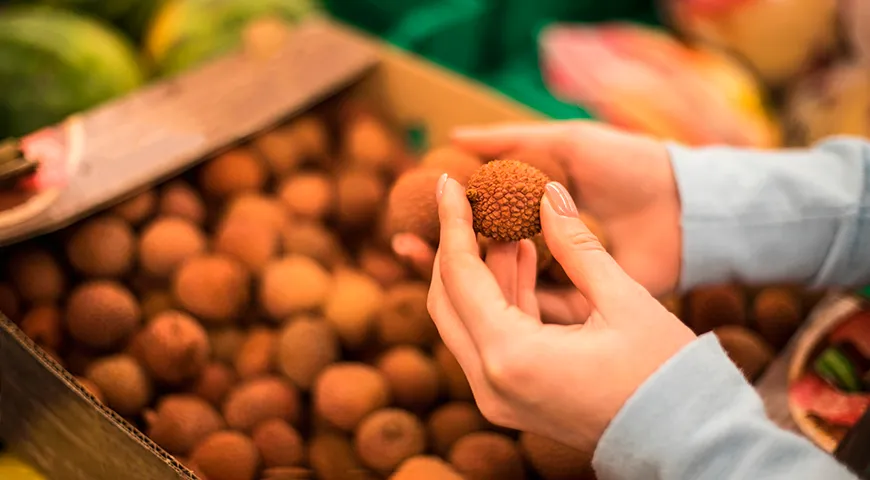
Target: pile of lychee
(250,317)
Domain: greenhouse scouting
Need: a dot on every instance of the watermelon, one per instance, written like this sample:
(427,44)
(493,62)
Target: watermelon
(54,63)
(131,16)
(184,33)
(110,10)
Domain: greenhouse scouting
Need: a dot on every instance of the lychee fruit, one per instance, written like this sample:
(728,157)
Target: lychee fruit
(388,437)
(102,314)
(505,197)
(167,242)
(412,206)
(345,393)
(215,288)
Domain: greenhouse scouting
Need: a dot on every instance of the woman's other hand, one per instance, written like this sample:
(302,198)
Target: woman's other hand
(623,179)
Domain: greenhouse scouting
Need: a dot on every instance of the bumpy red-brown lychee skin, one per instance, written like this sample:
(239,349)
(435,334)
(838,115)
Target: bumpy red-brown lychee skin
(505,197)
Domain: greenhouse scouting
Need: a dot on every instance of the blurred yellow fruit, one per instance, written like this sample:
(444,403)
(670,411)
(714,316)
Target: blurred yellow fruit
(778,38)
(13,469)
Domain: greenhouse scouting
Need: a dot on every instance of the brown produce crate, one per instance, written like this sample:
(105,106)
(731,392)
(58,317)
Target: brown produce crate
(135,142)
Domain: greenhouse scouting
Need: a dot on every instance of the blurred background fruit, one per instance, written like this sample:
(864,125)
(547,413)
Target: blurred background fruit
(778,38)
(55,62)
(184,33)
(645,80)
(832,101)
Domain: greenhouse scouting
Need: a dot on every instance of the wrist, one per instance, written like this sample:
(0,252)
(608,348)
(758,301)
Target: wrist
(647,436)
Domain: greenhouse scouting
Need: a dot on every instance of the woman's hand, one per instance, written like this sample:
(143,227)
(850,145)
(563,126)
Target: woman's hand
(563,381)
(623,179)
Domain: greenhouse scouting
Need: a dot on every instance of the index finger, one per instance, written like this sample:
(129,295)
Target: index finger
(471,287)
(494,140)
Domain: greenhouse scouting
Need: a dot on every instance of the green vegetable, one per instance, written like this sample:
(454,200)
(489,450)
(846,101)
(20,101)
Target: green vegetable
(187,32)
(833,366)
(54,63)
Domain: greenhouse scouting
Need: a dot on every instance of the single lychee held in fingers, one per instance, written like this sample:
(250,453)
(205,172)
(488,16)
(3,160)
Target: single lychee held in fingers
(505,197)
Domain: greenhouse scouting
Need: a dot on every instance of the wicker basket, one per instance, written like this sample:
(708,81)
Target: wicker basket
(828,315)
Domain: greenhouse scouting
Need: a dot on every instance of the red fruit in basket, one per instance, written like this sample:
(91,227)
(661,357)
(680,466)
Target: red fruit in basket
(856,331)
(369,144)
(178,199)
(459,164)
(44,326)
(309,195)
(819,398)
(213,287)
(226,455)
(166,243)
(102,314)
(412,207)
(136,210)
(36,275)
(175,347)
(179,422)
(233,172)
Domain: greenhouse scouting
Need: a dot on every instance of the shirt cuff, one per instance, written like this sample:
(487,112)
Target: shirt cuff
(661,419)
(697,417)
(764,216)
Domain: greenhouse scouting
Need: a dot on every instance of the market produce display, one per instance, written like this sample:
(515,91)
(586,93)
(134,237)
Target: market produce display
(254,331)
(184,33)
(60,57)
(726,62)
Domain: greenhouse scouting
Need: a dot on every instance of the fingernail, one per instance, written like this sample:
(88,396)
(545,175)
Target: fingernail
(561,200)
(440,189)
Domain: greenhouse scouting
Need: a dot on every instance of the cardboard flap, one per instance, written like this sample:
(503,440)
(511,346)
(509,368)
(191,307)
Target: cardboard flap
(127,144)
(50,422)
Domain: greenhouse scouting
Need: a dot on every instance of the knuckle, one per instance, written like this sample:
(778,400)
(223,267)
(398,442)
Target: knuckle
(494,413)
(453,264)
(456,224)
(583,240)
(431,304)
(506,369)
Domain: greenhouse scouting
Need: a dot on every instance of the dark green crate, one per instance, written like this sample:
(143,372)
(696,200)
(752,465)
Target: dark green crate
(521,80)
(449,33)
(494,41)
(522,19)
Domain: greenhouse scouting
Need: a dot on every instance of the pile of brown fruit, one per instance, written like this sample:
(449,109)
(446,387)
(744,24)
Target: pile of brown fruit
(251,319)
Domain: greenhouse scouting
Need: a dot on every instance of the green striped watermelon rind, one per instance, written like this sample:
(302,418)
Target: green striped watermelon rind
(54,63)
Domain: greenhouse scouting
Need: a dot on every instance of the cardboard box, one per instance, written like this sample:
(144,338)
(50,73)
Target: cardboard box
(106,154)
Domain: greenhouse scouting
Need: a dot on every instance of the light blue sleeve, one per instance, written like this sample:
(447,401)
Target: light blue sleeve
(697,418)
(753,216)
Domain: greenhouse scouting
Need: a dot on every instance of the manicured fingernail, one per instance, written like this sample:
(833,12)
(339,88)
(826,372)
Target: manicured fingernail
(440,189)
(561,200)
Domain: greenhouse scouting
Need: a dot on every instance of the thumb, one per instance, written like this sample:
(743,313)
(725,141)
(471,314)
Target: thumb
(591,269)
